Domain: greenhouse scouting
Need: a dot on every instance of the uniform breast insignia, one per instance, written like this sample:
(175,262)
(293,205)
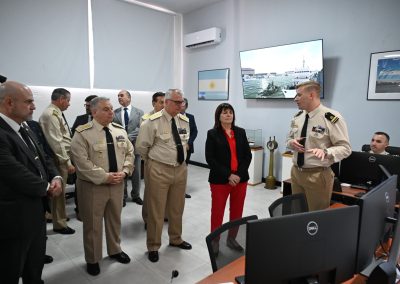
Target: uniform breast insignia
(155,115)
(117,125)
(297,114)
(183,117)
(182,131)
(318,129)
(120,138)
(84,127)
(331,117)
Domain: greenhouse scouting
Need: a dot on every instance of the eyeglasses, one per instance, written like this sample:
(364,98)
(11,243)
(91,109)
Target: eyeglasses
(86,105)
(178,103)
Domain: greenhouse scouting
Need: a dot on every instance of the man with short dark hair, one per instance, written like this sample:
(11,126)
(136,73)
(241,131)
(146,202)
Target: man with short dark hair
(379,142)
(84,118)
(129,117)
(318,136)
(58,135)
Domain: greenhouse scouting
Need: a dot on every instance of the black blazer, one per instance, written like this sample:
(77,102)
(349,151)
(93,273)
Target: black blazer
(80,120)
(218,155)
(193,131)
(21,186)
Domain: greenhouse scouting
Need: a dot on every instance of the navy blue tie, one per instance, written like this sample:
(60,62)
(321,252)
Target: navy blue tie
(126,118)
(300,156)
(112,158)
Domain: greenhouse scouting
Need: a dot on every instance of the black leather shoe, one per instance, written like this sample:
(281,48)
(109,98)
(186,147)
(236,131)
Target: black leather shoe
(153,256)
(65,231)
(182,245)
(145,226)
(233,244)
(137,200)
(123,203)
(93,268)
(121,257)
(188,195)
(48,259)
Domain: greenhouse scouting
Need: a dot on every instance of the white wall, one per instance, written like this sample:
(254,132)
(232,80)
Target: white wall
(42,97)
(351,30)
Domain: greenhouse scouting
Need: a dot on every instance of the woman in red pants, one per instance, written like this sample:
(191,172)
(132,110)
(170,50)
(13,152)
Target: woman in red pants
(228,156)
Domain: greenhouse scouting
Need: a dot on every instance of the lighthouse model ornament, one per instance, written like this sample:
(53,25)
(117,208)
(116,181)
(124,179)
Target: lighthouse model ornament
(270,181)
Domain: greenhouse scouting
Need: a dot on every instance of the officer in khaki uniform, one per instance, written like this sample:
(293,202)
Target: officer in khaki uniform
(58,136)
(161,143)
(158,104)
(319,138)
(101,165)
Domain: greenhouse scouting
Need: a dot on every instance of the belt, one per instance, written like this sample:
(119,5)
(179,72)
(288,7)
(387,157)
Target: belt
(167,165)
(315,169)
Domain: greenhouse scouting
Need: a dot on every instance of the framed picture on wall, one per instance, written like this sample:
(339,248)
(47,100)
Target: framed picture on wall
(213,85)
(384,76)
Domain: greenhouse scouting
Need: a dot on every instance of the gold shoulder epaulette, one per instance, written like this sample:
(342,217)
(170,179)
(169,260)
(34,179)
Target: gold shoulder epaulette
(56,112)
(183,117)
(331,117)
(146,116)
(84,127)
(297,114)
(117,125)
(155,115)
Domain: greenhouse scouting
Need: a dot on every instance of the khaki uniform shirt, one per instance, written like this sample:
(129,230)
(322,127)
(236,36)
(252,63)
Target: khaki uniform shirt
(155,140)
(90,155)
(57,134)
(326,129)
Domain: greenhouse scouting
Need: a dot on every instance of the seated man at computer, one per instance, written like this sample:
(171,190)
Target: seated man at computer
(379,142)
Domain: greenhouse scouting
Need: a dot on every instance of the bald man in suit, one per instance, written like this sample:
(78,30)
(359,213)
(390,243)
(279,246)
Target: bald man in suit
(25,179)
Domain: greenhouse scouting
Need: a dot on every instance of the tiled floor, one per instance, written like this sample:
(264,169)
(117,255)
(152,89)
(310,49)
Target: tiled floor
(193,265)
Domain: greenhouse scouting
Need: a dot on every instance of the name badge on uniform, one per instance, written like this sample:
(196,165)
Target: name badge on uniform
(182,131)
(120,138)
(318,129)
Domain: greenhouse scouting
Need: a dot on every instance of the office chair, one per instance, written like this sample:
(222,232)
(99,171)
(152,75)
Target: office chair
(392,150)
(289,204)
(226,253)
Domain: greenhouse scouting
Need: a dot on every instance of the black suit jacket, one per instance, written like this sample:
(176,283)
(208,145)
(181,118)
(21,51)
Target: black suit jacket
(193,131)
(80,120)
(218,155)
(21,186)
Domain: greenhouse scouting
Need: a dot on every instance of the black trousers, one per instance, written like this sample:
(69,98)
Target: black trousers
(23,257)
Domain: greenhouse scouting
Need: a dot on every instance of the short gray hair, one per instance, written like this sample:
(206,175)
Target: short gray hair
(170,91)
(96,101)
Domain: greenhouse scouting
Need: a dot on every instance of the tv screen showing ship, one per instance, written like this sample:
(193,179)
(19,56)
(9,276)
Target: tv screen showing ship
(274,72)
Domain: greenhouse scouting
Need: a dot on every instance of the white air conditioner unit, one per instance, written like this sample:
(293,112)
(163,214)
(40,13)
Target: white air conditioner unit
(202,38)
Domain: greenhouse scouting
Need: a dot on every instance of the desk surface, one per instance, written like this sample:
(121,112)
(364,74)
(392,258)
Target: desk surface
(228,273)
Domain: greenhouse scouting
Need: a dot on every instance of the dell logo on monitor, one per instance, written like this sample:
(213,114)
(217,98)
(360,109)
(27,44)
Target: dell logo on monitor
(371,159)
(387,197)
(312,228)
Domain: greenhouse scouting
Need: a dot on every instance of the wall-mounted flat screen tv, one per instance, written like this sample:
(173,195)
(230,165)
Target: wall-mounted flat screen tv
(274,72)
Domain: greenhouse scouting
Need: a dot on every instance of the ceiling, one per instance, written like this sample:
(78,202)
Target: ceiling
(180,6)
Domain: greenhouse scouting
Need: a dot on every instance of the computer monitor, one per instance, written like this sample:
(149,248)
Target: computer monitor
(288,248)
(361,168)
(375,206)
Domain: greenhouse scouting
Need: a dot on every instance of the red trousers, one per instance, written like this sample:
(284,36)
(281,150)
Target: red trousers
(219,195)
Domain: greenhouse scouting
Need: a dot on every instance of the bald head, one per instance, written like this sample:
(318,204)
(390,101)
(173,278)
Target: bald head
(16,101)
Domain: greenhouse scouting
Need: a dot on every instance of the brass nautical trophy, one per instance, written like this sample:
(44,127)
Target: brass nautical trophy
(270,181)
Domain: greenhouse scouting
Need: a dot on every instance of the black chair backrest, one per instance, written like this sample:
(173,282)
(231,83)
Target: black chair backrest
(392,150)
(226,254)
(289,204)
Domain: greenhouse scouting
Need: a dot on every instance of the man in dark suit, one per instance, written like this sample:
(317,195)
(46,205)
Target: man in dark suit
(130,117)
(193,134)
(84,118)
(25,179)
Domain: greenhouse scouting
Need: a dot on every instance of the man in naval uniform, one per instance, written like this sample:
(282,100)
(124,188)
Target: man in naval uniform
(103,156)
(319,138)
(161,143)
(58,135)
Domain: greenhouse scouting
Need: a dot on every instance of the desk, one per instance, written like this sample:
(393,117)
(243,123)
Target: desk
(236,268)
(226,273)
